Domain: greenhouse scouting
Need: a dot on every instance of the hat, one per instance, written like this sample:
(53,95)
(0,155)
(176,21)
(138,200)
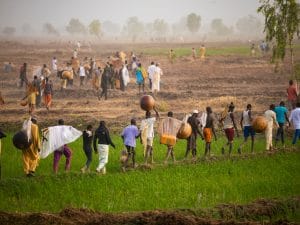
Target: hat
(195,111)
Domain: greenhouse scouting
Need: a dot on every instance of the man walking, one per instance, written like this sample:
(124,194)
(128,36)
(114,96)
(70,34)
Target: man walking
(192,140)
(246,120)
(295,120)
(147,134)
(129,135)
(271,119)
(281,117)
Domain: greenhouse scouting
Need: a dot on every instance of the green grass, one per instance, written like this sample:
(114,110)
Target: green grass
(213,51)
(165,187)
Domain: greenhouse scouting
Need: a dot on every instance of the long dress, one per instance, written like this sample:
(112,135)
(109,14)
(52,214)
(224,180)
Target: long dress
(156,79)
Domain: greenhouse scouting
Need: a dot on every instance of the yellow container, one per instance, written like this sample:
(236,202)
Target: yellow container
(168,139)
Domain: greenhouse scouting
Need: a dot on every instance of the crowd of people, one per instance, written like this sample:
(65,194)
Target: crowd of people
(202,125)
(116,74)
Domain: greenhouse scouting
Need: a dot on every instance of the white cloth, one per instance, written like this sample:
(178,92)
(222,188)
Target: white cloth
(149,124)
(56,137)
(203,119)
(295,118)
(125,76)
(81,71)
(103,151)
(156,79)
(54,64)
(27,128)
(169,126)
(151,71)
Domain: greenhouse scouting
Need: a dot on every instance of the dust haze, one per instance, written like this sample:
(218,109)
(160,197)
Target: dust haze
(131,20)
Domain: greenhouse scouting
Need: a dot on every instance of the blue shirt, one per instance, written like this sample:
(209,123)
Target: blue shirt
(130,133)
(280,113)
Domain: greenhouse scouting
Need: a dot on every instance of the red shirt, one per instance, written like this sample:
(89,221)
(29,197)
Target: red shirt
(292,93)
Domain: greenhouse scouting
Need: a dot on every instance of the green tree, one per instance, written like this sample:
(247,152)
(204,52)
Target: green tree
(282,20)
(48,28)
(249,25)
(95,28)
(160,27)
(193,22)
(220,28)
(9,31)
(76,27)
(134,27)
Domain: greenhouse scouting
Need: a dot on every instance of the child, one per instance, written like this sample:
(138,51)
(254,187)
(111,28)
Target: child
(87,147)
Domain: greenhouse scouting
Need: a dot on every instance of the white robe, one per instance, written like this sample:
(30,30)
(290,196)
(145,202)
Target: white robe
(125,76)
(156,79)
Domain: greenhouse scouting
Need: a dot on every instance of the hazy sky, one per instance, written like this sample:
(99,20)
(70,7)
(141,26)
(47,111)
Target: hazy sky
(59,12)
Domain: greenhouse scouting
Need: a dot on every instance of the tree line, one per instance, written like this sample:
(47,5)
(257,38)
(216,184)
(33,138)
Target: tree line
(134,27)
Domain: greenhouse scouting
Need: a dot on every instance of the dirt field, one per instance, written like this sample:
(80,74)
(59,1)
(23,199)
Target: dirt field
(262,211)
(186,85)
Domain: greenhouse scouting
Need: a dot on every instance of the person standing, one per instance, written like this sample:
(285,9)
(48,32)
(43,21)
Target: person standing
(31,154)
(105,82)
(229,127)
(147,134)
(125,79)
(87,137)
(48,92)
(139,78)
(172,56)
(209,130)
(202,52)
(295,120)
(281,117)
(246,120)
(151,71)
(36,83)
(129,136)
(101,144)
(156,79)
(192,140)
(81,74)
(64,150)
(54,65)
(271,119)
(194,53)
(292,95)
(31,97)
(170,126)
(23,74)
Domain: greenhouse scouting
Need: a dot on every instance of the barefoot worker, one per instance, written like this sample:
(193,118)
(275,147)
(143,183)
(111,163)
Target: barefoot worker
(147,134)
(229,127)
(246,120)
(209,130)
(192,140)
(168,129)
(55,139)
(295,119)
(87,137)
(271,120)
(282,118)
(101,144)
(129,136)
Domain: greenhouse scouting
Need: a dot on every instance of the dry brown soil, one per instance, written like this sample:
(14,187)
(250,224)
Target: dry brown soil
(186,85)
